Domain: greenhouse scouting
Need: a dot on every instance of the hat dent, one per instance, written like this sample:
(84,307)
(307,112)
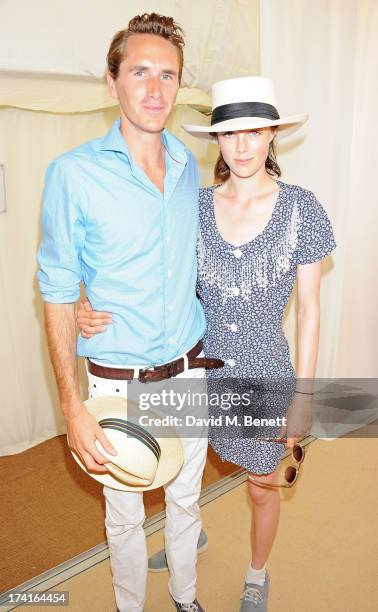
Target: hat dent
(243,89)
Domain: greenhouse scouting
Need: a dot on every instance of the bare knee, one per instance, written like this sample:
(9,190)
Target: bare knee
(259,494)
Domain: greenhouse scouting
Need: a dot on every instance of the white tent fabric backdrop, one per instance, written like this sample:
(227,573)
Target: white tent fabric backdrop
(48,49)
(67,38)
(323,58)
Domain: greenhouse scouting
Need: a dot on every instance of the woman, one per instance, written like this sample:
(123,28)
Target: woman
(257,236)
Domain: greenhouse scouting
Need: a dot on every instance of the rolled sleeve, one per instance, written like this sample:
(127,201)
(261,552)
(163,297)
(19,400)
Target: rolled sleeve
(63,234)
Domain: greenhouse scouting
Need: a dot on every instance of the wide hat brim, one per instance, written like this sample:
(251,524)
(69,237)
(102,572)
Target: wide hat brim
(172,453)
(285,126)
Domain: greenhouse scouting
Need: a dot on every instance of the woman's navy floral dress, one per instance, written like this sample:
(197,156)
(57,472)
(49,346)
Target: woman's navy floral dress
(244,291)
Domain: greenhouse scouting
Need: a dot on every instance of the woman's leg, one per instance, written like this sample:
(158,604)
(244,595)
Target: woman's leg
(265,517)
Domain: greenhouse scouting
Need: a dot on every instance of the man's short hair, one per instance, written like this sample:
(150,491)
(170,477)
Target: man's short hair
(149,23)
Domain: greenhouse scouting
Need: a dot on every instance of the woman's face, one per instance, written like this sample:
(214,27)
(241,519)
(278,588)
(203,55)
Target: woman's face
(245,151)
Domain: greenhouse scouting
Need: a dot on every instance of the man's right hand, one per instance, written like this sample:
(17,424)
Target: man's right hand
(89,321)
(83,430)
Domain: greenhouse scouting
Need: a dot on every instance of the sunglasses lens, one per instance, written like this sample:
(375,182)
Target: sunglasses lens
(290,474)
(298,453)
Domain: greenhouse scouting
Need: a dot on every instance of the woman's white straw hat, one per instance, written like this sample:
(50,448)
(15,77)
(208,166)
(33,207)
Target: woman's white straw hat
(147,457)
(245,103)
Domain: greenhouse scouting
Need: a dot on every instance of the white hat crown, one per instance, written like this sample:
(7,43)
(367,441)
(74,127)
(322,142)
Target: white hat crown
(243,89)
(135,462)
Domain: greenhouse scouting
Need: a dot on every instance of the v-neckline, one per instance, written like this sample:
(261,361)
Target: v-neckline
(260,234)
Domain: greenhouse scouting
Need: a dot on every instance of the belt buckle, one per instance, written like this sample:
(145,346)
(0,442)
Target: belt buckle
(170,370)
(142,373)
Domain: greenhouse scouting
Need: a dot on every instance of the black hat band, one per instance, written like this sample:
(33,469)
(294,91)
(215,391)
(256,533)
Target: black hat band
(134,431)
(244,109)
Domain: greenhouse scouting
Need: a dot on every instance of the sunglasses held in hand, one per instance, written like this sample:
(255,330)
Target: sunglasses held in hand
(291,472)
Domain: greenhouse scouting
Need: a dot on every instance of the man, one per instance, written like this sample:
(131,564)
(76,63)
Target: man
(120,214)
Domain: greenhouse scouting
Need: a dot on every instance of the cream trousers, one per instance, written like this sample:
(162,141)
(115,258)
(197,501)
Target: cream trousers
(125,513)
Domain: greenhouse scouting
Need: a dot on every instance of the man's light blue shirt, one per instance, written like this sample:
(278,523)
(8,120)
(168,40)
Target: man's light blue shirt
(107,225)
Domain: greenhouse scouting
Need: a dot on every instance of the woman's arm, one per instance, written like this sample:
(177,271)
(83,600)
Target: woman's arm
(299,415)
(308,323)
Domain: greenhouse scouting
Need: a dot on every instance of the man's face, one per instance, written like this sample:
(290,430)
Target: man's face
(147,83)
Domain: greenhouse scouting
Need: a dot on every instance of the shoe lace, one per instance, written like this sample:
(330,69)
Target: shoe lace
(190,607)
(252,594)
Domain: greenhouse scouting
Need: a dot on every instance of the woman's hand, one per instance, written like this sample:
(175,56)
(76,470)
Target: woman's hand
(298,419)
(89,321)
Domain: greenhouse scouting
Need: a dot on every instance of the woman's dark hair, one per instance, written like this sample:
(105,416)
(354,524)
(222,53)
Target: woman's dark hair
(222,171)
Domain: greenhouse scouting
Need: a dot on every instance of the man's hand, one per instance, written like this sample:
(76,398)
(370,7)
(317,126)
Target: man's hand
(83,430)
(89,321)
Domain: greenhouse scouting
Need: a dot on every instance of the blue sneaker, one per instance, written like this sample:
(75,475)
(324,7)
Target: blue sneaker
(158,561)
(255,597)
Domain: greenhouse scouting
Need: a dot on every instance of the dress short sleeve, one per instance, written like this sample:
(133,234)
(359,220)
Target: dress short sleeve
(315,238)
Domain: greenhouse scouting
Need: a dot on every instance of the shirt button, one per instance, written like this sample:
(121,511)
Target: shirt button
(169,274)
(233,327)
(168,238)
(235,291)
(238,253)
(231,362)
(170,308)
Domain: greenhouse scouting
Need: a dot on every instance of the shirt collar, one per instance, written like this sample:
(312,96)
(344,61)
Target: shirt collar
(114,141)
(176,149)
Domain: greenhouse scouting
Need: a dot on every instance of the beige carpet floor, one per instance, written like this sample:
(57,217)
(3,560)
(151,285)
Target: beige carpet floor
(325,558)
(50,511)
